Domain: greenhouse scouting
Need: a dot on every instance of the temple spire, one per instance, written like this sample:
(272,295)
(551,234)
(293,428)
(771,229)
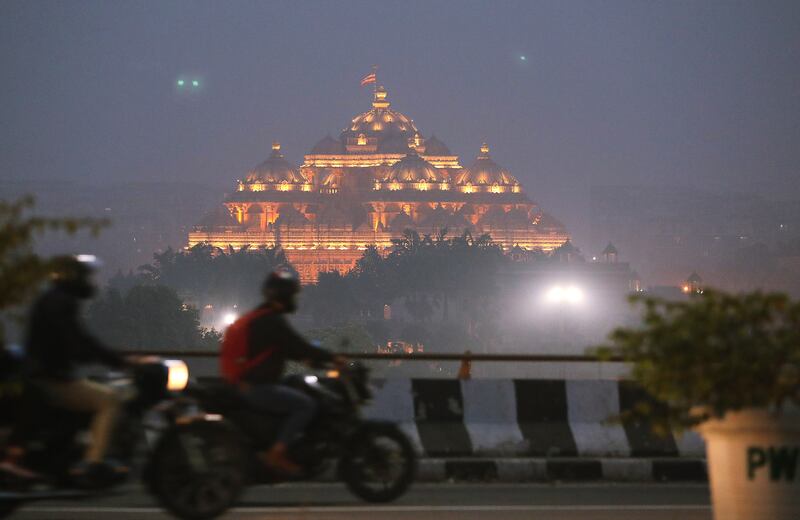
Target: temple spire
(380,100)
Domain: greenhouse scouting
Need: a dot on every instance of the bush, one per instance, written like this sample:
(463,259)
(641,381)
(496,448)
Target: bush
(714,353)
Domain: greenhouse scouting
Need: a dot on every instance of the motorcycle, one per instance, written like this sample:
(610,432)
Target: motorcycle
(58,441)
(201,467)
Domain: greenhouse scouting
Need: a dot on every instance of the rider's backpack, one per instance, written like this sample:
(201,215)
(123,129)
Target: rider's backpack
(234,361)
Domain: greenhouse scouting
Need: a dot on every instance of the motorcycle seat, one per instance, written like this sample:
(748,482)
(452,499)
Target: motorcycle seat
(224,398)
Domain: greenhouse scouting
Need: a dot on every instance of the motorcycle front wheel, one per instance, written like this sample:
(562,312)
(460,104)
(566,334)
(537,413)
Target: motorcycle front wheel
(197,471)
(379,463)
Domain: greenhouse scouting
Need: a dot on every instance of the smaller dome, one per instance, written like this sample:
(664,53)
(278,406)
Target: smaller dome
(434,146)
(328,146)
(413,168)
(275,170)
(485,172)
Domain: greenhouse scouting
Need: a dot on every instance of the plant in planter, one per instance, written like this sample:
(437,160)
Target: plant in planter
(729,366)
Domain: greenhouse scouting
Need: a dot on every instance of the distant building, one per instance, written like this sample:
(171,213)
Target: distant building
(567,265)
(378,179)
(563,302)
(669,231)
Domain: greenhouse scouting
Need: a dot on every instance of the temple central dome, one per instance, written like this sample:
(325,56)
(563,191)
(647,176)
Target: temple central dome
(275,170)
(380,129)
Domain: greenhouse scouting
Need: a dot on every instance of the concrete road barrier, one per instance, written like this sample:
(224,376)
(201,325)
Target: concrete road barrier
(524,418)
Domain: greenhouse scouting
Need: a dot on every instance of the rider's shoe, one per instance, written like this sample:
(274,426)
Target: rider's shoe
(95,475)
(277,460)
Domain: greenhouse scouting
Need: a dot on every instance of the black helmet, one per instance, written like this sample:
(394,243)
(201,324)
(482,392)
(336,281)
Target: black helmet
(74,274)
(282,286)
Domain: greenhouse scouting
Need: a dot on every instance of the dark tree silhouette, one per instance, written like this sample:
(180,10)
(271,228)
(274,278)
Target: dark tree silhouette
(150,317)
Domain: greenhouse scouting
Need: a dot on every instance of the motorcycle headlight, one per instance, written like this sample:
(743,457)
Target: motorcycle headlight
(178,375)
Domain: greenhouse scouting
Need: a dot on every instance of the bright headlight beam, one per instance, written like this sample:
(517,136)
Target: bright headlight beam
(178,375)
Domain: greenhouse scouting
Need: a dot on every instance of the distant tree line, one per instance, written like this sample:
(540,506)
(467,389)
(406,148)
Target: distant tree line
(440,291)
(158,306)
(205,274)
(148,317)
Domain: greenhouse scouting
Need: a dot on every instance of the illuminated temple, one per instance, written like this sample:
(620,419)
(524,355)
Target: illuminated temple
(379,178)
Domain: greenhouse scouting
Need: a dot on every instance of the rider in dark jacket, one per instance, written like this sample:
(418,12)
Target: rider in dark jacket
(58,344)
(260,385)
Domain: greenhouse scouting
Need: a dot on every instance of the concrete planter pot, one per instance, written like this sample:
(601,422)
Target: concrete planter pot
(754,464)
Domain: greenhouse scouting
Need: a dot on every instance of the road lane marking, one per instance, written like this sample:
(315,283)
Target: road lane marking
(379,509)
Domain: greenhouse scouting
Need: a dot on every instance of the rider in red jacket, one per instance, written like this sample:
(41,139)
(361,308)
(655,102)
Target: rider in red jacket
(260,385)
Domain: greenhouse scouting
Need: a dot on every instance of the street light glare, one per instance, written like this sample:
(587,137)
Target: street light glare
(570,294)
(573,295)
(555,294)
(229,318)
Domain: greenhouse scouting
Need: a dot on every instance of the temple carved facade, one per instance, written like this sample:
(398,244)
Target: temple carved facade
(379,178)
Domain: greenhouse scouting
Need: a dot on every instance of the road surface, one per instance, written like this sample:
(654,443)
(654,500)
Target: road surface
(599,501)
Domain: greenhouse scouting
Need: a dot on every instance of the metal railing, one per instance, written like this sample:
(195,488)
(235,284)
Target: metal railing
(465,359)
(416,356)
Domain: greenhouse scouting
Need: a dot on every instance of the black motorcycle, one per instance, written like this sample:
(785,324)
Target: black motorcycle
(55,442)
(200,468)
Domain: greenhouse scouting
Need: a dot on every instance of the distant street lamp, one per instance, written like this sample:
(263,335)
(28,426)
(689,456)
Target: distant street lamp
(229,319)
(558,294)
(564,299)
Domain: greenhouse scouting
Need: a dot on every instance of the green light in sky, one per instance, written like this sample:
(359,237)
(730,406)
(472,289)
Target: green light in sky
(195,83)
(181,82)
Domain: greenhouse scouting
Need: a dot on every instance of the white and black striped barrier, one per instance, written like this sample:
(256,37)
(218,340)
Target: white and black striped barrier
(535,429)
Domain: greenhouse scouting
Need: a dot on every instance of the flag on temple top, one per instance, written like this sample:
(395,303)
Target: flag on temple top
(369,78)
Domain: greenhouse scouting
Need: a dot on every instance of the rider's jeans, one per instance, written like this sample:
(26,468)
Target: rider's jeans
(280,399)
(87,396)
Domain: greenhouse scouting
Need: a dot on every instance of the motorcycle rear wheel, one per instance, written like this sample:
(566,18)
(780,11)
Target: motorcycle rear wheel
(380,463)
(198,471)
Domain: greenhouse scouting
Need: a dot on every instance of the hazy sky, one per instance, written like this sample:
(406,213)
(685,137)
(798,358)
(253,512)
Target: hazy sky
(696,93)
